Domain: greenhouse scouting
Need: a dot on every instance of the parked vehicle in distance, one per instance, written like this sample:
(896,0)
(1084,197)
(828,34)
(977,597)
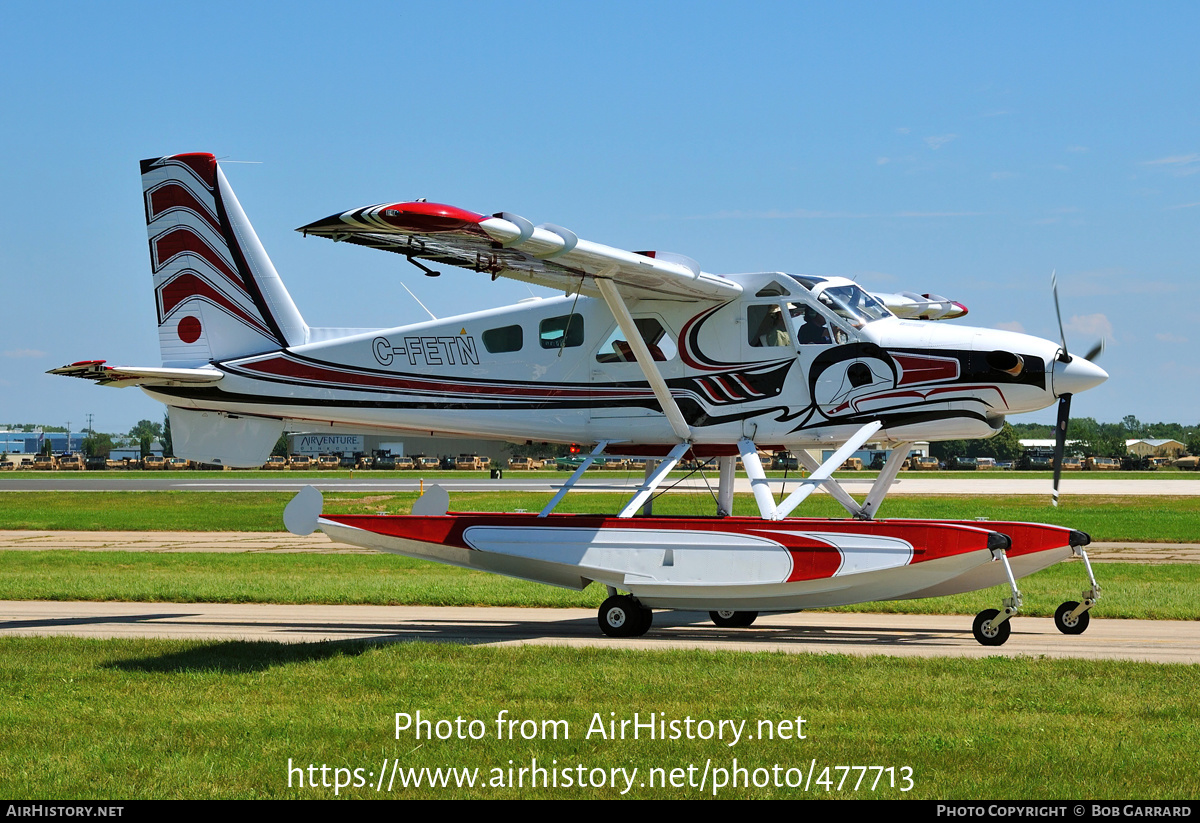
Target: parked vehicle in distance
(300,462)
(1189,463)
(276,462)
(1101,464)
(920,462)
(468,462)
(403,463)
(71,462)
(328,461)
(524,463)
(430,463)
(155,462)
(45,462)
(1070,464)
(852,464)
(179,464)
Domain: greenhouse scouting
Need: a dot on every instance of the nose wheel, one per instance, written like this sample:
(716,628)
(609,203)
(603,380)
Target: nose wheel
(991,626)
(623,616)
(989,630)
(1072,618)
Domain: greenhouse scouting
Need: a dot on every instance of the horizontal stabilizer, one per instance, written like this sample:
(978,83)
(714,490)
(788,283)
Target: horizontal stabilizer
(122,376)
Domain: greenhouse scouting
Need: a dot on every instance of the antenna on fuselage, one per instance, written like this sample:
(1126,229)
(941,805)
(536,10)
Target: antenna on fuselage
(419,303)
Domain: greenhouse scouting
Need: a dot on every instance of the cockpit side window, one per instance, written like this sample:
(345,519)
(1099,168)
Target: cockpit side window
(812,327)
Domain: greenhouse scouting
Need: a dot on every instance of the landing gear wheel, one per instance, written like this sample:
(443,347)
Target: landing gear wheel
(622,616)
(987,632)
(729,619)
(1071,625)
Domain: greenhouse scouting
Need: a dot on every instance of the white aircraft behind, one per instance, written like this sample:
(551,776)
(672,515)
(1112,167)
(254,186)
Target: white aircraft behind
(645,354)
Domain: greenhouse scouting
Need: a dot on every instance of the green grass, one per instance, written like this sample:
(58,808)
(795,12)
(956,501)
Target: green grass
(161,719)
(557,476)
(1105,518)
(1129,590)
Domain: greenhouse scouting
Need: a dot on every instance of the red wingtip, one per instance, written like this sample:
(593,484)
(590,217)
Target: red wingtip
(429,217)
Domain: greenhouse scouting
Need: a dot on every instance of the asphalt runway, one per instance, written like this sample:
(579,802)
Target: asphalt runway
(1155,641)
(617,482)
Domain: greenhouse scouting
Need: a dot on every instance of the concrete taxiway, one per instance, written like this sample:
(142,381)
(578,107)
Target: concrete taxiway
(1156,641)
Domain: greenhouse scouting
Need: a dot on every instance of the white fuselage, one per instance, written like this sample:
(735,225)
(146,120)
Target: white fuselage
(558,369)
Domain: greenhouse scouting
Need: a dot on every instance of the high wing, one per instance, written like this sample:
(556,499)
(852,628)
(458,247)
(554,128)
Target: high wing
(507,245)
(122,376)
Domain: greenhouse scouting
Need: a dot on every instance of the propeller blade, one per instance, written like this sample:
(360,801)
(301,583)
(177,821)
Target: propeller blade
(1060,441)
(1061,334)
(1095,351)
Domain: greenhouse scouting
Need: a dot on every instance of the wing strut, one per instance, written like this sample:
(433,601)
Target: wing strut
(644,359)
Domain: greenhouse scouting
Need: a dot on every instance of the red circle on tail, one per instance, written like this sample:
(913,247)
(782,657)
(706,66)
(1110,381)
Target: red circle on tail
(189,329)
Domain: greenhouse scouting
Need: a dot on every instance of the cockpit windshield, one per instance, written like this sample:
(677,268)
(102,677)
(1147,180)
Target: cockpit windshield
(844,298)
(853,303)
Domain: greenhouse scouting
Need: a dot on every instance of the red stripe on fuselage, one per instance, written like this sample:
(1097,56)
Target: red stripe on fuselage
(286,367)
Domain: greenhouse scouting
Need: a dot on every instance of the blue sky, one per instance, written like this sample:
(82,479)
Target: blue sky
(964,149)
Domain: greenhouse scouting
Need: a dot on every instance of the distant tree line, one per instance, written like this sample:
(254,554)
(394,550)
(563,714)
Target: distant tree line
(1085,437)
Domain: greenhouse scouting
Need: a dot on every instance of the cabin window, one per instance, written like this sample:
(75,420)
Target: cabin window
(616,348)
(563,332)
(767,326)
(503,339)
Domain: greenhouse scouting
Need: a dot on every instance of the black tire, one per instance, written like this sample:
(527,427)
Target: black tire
(986,632)
(622,616)
(1068,625)
(727,619)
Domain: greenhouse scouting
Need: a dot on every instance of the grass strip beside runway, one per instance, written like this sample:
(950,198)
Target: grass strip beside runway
(1105,518)
(167,719)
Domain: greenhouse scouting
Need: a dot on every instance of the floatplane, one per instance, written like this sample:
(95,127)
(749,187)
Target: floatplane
(644,354)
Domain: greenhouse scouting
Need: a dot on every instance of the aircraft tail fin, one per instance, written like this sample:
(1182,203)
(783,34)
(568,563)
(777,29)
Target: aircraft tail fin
(216,291)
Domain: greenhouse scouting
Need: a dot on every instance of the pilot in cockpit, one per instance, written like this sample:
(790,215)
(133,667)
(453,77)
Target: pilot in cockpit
(814,329)
(773,330)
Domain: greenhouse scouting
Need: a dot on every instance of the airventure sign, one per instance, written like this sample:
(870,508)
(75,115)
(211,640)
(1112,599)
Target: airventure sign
(314,444)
